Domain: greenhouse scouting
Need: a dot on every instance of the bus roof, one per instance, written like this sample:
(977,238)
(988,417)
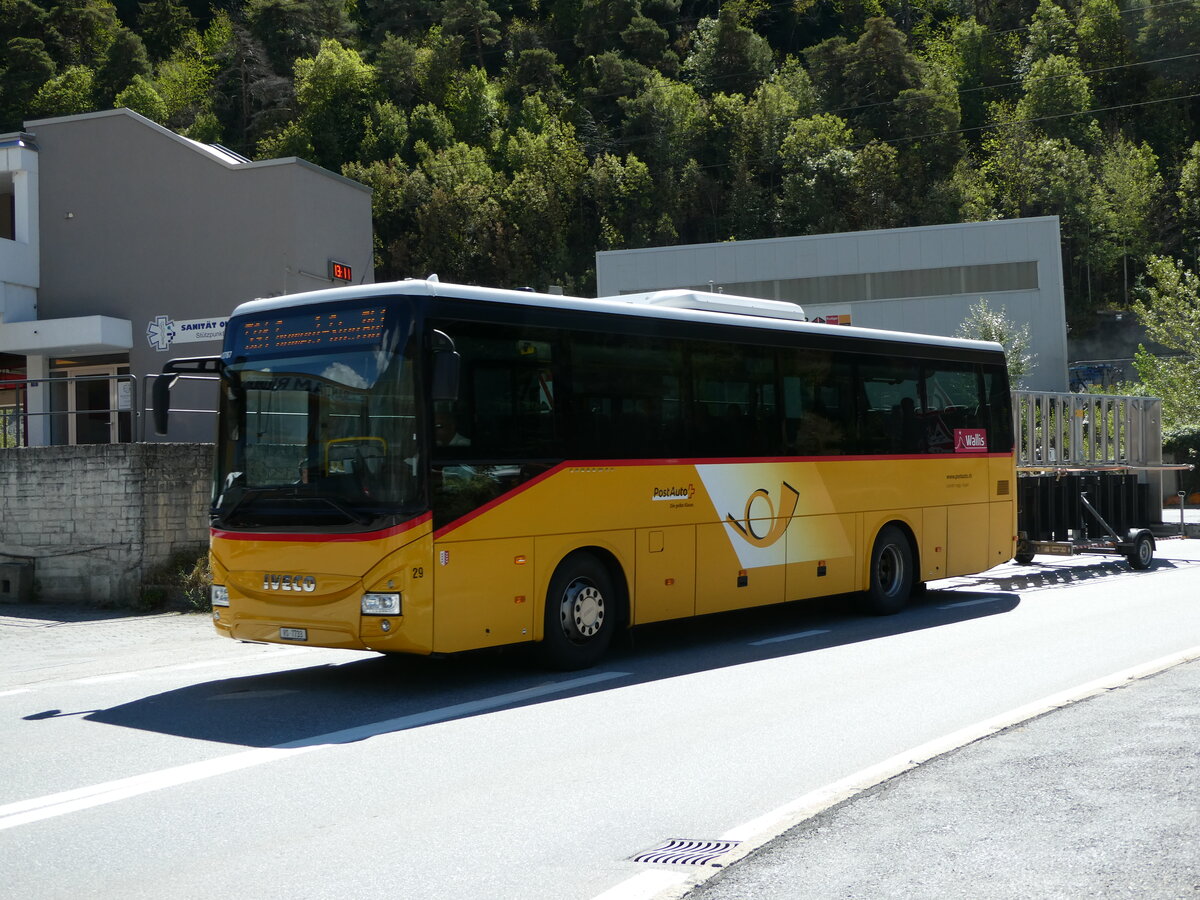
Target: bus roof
(679,305)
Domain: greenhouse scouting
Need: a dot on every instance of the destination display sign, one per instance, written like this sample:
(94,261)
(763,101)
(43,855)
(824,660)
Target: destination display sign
(303,331)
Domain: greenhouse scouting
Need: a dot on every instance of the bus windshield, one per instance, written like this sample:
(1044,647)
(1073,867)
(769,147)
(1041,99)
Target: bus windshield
(319,426)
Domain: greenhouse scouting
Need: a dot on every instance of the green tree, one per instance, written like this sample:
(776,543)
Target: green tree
(817,159)
(1057,94)
(142,98)
(1105,52)
(418,71)
(622,194)
(385,133)
(27,67)
(163,25)
(66,94)
(334,93)
(977,62)
(474,107)
(728,55)
(398,193)
(462,228)
(665,124)
(291,29)
(1188,194)
(1132,192)
(861,81)
(649,43)
(249,99)
(124,59)
(1171,32)
(1168,306)
(82,31)
(474,19)
(186,80)
(542,199)
(986,324)
(428,125)
(876,186)
(1051,33)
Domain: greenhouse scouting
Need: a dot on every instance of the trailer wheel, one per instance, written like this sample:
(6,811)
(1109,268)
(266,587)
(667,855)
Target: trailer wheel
(892,573)
(1142,553)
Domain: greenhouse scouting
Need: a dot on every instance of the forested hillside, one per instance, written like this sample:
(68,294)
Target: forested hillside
(507,140)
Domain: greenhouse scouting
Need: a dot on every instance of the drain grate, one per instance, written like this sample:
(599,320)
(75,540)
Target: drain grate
(687,853)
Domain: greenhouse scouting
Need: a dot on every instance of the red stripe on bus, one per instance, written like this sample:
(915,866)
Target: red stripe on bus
(324,538)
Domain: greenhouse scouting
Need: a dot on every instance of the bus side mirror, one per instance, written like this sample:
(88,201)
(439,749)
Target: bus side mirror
(162,401)
(199,365)
(445,375)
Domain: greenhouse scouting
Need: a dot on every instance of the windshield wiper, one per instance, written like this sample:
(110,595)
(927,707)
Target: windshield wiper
(297,492)
(348,511)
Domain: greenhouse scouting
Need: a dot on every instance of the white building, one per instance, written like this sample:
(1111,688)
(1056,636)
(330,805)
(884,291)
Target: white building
(920,280)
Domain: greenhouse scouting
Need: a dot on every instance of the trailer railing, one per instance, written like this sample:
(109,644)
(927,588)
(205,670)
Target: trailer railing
(1071,431)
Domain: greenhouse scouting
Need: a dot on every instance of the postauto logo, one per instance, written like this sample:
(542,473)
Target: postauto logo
(674,493)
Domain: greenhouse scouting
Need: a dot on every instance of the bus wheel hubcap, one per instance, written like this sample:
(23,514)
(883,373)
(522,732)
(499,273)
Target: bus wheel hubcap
(582,610)
(891,570)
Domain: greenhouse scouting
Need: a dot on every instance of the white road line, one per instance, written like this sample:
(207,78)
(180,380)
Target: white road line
(758,831)
(184,667)
(18,691)
(646,884)
(979,602)
(264,659)
(25,811)
(789,637)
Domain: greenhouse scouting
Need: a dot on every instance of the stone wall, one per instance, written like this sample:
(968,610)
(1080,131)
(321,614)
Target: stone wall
(95,520)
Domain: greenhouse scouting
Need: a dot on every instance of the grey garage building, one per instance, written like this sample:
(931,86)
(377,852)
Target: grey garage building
(903,279)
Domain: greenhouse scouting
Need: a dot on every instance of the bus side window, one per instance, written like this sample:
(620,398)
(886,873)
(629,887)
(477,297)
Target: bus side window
(506,407)
(626,397)
(953,402)
(817,404)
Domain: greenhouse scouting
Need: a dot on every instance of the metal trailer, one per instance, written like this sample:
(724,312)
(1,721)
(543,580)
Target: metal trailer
(1089,475)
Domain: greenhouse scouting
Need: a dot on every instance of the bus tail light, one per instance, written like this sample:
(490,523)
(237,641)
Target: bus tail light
(381,604)
(220,595)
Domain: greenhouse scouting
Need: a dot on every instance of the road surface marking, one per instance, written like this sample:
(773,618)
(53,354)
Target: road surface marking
(25,811)
(979,602)
(789,637)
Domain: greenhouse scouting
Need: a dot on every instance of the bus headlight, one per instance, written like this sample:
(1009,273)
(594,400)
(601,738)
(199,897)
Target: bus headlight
(381,604)
(220,595)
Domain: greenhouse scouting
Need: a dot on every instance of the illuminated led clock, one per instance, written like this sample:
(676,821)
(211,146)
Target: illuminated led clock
(340,271)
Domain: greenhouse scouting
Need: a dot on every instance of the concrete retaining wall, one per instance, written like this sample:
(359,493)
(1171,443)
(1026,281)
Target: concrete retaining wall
(95,520)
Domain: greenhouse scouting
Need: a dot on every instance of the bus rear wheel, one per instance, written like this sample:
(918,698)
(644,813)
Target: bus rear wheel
(892,573)
(581,613)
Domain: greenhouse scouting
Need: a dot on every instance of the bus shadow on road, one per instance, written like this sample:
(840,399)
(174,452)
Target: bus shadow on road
(325,703)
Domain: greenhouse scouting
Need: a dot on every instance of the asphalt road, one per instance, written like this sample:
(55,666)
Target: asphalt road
(145,757)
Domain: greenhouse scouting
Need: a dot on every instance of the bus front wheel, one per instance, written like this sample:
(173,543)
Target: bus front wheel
(581,613)
(892,573)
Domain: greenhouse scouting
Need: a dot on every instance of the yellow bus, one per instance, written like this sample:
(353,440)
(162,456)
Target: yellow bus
(421,467)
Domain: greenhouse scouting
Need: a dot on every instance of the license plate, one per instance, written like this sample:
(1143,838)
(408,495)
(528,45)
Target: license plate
(293,634)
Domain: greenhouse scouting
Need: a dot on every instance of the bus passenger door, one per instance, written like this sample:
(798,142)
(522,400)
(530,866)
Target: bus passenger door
(484,593)
(665,583)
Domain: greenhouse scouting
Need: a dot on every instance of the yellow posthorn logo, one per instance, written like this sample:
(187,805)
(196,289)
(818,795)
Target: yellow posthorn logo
(778,520)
